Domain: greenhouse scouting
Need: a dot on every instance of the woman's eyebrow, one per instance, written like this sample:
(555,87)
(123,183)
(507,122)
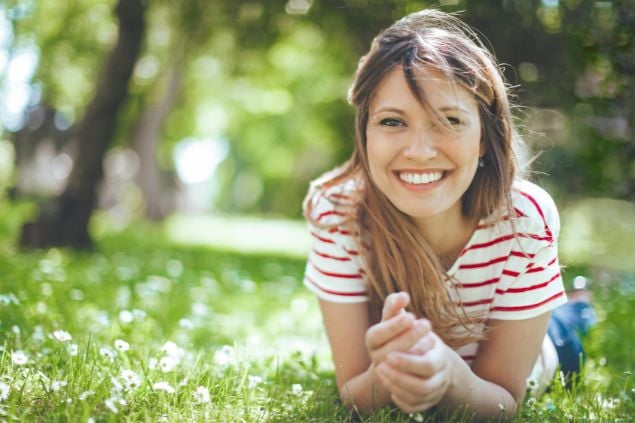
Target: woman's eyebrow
(447,108)
(389,109)
(453,108)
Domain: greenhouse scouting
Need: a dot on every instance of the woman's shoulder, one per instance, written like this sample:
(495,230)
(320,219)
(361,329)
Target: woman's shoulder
(535,207)
(331,204)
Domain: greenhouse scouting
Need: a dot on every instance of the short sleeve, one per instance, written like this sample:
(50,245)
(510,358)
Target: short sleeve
(333,270)
(531,283)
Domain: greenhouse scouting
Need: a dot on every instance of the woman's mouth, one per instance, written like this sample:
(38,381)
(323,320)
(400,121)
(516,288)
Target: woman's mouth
(420,178)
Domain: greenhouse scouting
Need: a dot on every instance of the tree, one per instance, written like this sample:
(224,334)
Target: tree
(64,221)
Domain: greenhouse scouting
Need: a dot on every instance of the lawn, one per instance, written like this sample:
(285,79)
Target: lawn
(146,328)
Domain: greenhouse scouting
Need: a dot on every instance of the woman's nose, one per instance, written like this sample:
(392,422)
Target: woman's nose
(421,147)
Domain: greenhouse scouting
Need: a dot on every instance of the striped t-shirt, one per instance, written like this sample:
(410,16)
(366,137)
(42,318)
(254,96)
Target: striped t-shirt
(508,270)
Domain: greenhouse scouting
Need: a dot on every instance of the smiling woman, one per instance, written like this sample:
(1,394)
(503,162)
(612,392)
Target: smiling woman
(434,261)
(424,158)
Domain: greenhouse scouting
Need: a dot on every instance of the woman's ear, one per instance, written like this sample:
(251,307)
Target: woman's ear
(482,149)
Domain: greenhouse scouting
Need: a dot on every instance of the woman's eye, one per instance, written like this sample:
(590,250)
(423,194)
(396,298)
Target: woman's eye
(453,120)
(391,122)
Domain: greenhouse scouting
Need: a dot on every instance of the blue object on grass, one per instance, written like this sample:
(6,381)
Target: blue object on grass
(568,324)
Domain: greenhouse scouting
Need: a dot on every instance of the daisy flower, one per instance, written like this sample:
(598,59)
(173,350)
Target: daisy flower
(122,345)
(163,386)
(62,335)
(4,391)
(19,358)
(201,395)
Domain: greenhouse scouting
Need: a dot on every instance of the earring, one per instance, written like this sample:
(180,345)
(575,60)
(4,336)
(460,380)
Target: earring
(481,162)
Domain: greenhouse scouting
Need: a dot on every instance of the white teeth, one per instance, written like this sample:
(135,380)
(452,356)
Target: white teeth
(420,178)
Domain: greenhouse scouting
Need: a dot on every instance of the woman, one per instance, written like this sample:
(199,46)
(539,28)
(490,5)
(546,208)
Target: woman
(434,262)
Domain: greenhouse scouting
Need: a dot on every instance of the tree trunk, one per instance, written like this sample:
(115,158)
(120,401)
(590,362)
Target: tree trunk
(64,221)
(158,203)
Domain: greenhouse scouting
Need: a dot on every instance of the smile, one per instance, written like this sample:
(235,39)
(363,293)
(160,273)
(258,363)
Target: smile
(420,178)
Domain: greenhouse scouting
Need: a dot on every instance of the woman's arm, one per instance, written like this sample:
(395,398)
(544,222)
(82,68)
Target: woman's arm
(357,348)
(504,359)
(495,384)
(346,326)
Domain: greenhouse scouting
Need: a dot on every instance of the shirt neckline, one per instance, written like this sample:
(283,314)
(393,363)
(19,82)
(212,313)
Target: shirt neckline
(479,228)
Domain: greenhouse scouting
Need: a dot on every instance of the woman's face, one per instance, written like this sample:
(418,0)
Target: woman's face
(423,168)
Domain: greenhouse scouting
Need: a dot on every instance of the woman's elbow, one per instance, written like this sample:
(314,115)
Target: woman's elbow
(355,402)
(348,399)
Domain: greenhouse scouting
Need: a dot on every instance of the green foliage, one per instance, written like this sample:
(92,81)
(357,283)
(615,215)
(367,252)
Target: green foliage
(71,39)
(599,233)
(273,84)
(576,58)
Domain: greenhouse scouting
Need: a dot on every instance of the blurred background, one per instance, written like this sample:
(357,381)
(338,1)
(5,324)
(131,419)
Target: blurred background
(211,117)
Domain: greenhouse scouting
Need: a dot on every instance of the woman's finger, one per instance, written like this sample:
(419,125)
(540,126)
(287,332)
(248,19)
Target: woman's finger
(410,389)
(407,386)
(426,365)
(403,341)
(394,305)
(428,388)
(424,344)
(379,334)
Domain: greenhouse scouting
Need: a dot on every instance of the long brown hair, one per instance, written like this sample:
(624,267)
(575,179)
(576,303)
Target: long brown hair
(395,256)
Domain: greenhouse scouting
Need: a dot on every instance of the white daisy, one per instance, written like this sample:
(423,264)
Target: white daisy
(85,395)
(107,352)
(130,379)
(173,350)
(253,381)
(19,358)
(110,404)
(122,345)
(62,335)
(186,324)
(163,386)
(57,385)
(126,316)
(167,364)
(73,349)
(201,395)
(4,391)
(225,356)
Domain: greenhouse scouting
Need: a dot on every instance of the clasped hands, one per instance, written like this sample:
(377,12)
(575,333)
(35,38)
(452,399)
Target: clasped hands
(408,358)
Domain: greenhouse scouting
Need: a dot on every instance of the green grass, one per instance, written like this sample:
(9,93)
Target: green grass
(235,336)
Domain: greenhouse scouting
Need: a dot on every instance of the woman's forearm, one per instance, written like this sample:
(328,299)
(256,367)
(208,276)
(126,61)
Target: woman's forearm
(485,399)
(364,392)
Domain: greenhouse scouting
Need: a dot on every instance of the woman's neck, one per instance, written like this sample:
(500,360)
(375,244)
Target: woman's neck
(447,234)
